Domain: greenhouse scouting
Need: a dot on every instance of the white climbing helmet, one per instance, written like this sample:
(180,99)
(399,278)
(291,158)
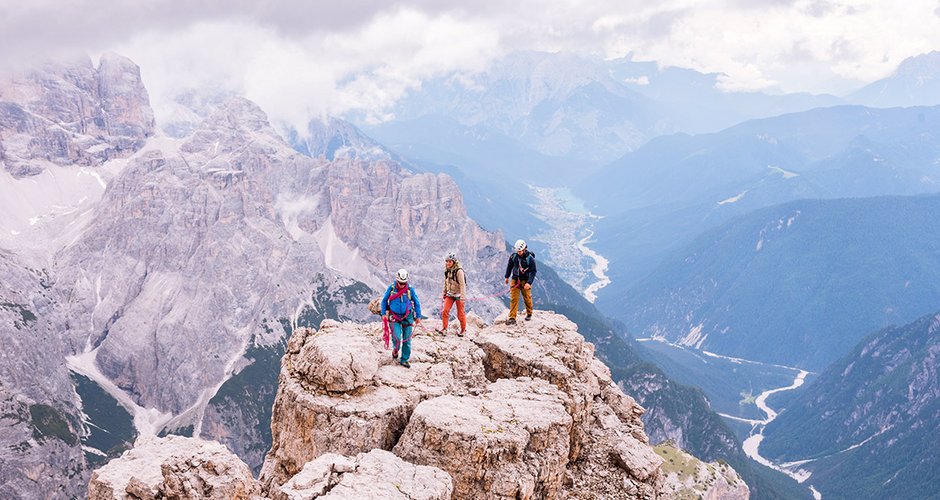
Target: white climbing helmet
(519,246)
(451,256)
(402,276)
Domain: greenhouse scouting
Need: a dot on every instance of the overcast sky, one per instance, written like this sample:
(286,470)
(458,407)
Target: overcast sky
(298,58)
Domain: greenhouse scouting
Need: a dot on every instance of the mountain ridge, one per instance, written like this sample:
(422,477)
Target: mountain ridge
(809,258)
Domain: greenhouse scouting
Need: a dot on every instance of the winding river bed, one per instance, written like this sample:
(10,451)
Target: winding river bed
(751,445)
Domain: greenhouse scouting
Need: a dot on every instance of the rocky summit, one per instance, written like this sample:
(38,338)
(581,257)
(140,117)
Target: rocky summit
(73,114)
(509,411)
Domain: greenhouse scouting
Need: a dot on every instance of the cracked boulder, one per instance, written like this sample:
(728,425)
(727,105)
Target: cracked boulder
(337,362)
(174,467)
(376,474)
(510,442)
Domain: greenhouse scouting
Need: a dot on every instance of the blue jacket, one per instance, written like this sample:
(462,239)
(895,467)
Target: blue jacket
(521,267)
(400,305)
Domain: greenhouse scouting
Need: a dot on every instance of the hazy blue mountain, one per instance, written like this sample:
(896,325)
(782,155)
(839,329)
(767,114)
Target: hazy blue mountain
(916,82)
(795,284)
(661,196)
(869,423)
(560,105)
(694,103)
(583,109)
(815,151)
(481,151)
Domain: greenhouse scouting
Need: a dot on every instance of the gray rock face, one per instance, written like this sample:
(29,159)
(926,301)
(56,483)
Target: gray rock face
(174,467)
(236,208)
(548,347)
(41,458)
(413,221)
(510,442)
(203,253)
(503,411)
(73,114)
(308,420)
(332,138)
(639,460)
(39,417)
(377,474)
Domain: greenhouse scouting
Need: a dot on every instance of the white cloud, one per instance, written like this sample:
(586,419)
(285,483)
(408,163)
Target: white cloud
(299,59)
(295,78)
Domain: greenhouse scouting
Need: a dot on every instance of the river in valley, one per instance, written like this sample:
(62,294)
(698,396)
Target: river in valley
(565,242)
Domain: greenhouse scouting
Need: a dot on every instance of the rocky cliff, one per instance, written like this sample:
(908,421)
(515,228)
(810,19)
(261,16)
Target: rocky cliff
(170,273)
(73,114)
(521,411)
(40,418)
(509,412)
(196,247)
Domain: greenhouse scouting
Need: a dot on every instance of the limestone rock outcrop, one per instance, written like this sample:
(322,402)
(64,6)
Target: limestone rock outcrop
(507,412)
(309,419)
(510,442)
(523,411)
(174,467)
(376,474)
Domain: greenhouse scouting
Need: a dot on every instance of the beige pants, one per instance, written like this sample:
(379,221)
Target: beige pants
(517,288)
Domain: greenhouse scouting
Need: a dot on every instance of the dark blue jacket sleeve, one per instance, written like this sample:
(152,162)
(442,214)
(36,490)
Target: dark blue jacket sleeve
(509,266)
(531,270)
(388,293)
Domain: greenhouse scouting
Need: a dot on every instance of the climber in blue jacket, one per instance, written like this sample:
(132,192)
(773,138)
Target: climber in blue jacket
(403,309)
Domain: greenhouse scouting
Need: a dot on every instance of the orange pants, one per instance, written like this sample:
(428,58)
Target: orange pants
(518,287)
(461,316)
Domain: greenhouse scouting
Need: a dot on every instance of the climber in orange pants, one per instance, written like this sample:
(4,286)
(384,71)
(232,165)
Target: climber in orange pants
(455,290)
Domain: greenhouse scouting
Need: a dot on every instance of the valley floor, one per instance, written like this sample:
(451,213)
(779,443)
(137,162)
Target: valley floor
(729,383)
(566,242)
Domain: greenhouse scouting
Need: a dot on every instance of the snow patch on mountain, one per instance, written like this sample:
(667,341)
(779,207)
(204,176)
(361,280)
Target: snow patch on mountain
(46,212)
(339,257)
(147,421)
(733,199)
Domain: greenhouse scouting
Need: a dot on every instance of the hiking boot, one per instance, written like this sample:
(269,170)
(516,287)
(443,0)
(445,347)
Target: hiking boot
(395,354)
(461,333)
(511,321)
(406,364)
(440,332)
(528,317)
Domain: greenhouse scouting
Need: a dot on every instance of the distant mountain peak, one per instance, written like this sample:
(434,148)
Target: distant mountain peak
(922,65)
(333,138)
(916,82)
